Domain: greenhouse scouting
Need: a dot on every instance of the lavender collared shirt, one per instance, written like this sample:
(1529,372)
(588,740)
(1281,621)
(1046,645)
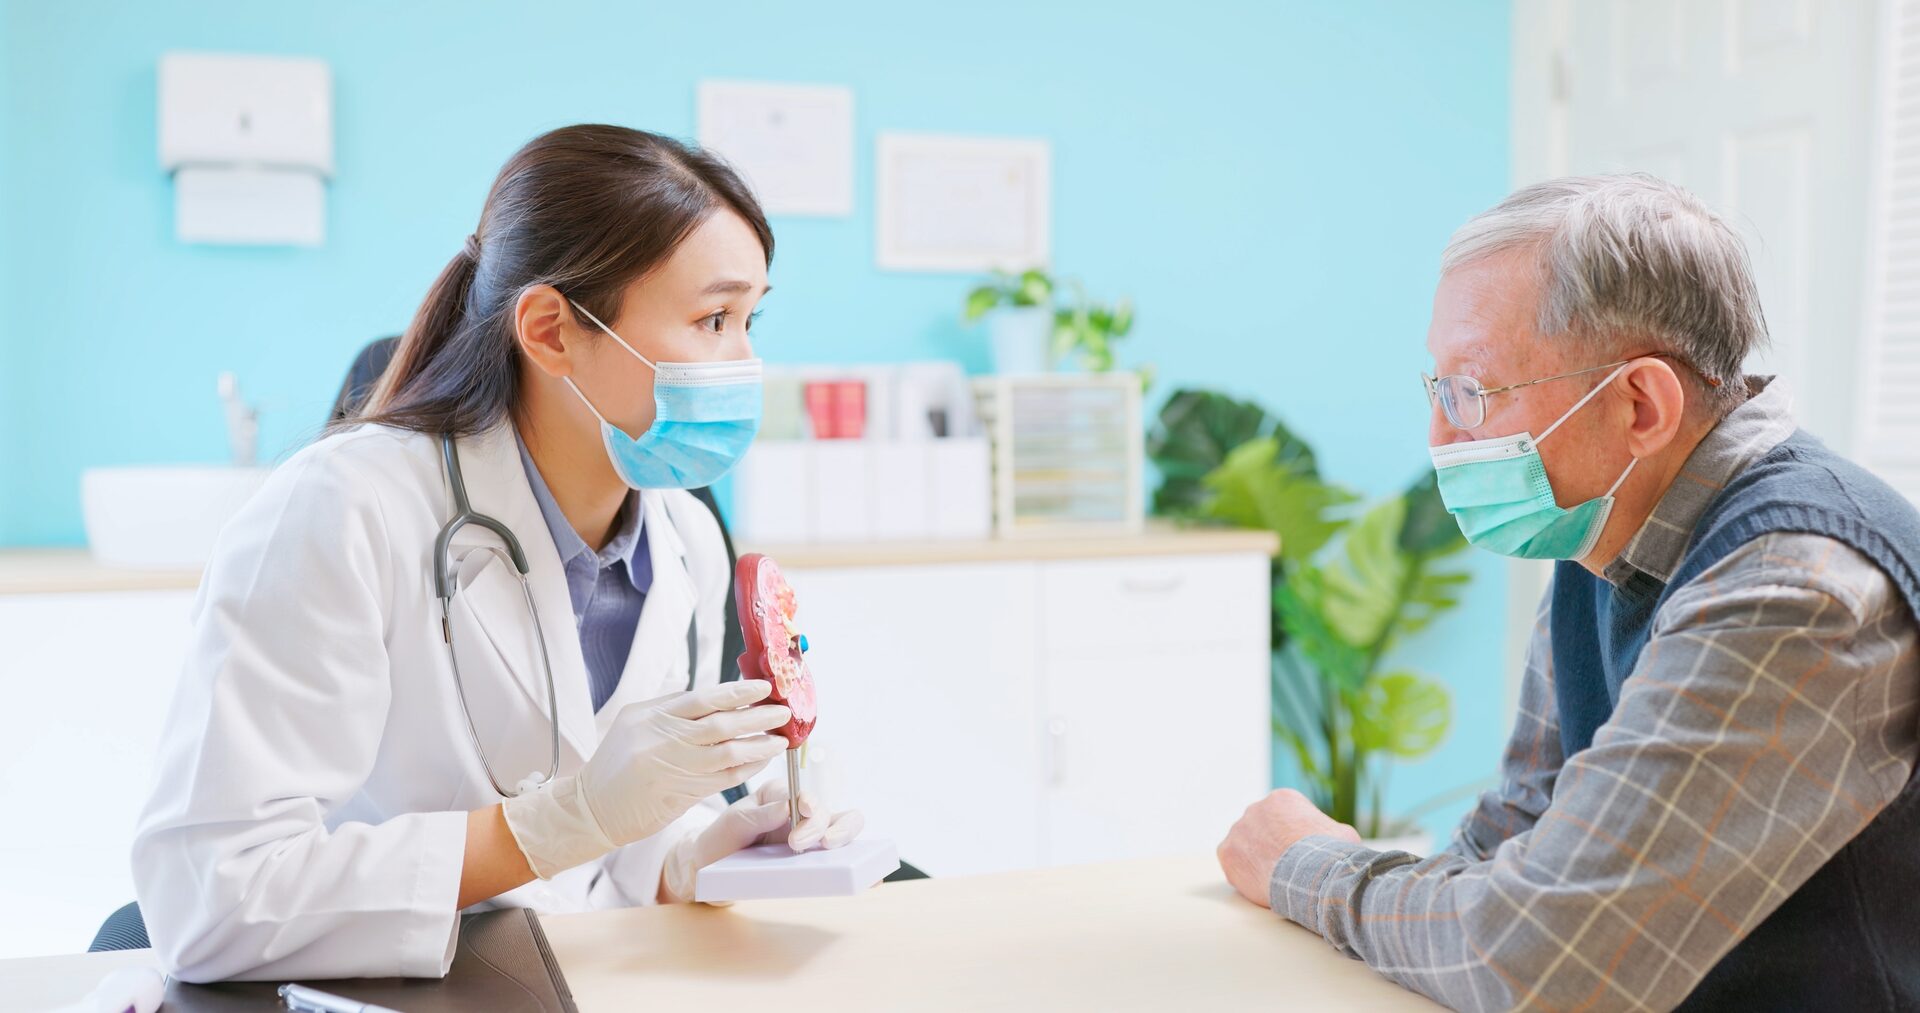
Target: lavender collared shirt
(608,588)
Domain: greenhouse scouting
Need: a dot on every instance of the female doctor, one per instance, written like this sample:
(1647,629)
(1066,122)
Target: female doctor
(352,758)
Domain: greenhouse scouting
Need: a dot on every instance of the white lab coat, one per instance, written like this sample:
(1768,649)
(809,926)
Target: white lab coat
(309,808)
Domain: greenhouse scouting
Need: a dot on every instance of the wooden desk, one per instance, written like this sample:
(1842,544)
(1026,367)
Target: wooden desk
(1154,935)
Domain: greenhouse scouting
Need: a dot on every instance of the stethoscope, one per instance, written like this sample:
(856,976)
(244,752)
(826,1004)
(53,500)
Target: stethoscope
(444,586)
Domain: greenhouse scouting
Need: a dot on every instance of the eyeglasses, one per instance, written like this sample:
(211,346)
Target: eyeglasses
(1465,402)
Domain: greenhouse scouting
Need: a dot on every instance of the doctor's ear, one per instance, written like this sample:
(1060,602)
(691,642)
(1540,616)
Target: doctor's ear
(540,319)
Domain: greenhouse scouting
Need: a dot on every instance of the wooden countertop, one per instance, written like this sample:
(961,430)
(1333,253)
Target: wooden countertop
(54,571)
(58,571)
(1156,540)
(1149,935)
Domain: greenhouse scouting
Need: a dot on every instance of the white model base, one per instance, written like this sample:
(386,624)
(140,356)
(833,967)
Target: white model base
(773,871)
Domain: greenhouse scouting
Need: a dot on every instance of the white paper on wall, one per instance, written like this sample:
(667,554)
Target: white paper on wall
(792,142)
(248,205)
(962,203)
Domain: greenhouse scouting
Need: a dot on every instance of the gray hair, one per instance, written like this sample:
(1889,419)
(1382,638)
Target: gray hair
(1631,258)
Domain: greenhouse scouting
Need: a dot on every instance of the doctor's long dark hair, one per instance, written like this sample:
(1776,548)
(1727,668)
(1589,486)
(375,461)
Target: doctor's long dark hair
(586,209)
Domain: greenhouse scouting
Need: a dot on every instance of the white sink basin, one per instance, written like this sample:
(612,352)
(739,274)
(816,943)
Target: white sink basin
(161,517)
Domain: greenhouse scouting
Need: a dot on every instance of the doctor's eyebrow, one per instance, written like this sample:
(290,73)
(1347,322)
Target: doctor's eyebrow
(732,286)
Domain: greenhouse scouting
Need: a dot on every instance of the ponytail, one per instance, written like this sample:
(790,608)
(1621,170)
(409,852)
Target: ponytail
(435,326)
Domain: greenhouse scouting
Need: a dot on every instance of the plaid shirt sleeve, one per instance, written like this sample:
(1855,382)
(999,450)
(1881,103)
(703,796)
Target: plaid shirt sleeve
(1532,759)
(1771,716)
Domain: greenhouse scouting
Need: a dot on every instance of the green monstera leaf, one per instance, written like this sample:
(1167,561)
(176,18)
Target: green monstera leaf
(1250,490)
(1299,704)
(1377,592)
(1402,714)
(1363,582)
(1300,603)
(1195,431)
(1429,530)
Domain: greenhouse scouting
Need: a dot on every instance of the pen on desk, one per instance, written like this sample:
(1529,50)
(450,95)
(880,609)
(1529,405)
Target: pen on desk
(302,999)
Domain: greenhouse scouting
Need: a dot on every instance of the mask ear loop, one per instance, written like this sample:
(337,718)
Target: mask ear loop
(583,400)
(623,342)
(1577,405)
(1622,480)
(1593,536)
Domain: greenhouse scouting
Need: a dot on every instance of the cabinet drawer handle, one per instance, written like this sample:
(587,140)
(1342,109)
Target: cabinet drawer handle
(1162,585)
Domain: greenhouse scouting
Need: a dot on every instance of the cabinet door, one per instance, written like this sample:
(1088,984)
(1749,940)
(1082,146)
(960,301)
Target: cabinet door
(88,679)
(1155,731)
(1154,754)
(929,707)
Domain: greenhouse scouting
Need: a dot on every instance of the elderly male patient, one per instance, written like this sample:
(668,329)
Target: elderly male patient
(1708,799)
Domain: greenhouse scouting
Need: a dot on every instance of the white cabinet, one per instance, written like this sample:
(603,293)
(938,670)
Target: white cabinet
(88,678)
(1013,713)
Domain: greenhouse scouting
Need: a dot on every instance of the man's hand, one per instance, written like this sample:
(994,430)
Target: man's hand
(1267,829)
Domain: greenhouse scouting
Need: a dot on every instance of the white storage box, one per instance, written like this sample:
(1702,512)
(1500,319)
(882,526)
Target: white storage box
(843,493)
(809,491)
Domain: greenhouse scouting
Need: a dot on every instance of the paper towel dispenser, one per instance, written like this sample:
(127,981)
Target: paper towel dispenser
(249,141)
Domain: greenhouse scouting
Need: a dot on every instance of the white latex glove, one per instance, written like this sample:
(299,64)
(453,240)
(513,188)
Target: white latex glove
(760,818)
(656,761)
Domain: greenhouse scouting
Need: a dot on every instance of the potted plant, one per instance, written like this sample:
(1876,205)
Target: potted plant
(1351,581)
(1031,329)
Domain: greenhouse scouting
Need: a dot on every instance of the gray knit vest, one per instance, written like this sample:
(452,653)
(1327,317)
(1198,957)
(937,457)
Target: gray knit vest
(1849,938)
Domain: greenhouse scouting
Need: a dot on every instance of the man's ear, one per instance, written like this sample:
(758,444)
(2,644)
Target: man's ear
(541,321)
(1658,402)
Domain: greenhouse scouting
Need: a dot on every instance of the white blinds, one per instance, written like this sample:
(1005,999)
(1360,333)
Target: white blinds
(1890,382)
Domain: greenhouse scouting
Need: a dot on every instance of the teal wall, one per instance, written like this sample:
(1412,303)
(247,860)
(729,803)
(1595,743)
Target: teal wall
(1271,181)
(12,423)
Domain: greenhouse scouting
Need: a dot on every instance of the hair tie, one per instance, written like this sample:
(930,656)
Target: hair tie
(472,248)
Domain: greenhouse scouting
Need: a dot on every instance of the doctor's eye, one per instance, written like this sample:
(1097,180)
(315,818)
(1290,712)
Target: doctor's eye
(716,322)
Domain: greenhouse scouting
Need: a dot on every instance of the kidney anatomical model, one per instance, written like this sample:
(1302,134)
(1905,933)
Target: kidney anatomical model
(776,650)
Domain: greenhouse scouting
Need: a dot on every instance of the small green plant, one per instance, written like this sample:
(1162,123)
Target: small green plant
(1082,327)
(1350,583)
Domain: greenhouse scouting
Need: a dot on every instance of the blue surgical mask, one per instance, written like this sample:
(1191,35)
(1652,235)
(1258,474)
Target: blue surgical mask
(704,417)
(1498,490)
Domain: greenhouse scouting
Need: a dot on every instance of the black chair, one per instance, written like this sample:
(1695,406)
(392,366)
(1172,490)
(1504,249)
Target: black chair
(124,930)
(361,376)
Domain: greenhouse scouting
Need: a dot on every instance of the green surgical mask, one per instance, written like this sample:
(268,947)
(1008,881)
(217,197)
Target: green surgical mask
(1497,490)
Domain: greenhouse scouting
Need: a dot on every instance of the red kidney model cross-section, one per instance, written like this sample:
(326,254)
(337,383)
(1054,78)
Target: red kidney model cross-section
(775,649)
